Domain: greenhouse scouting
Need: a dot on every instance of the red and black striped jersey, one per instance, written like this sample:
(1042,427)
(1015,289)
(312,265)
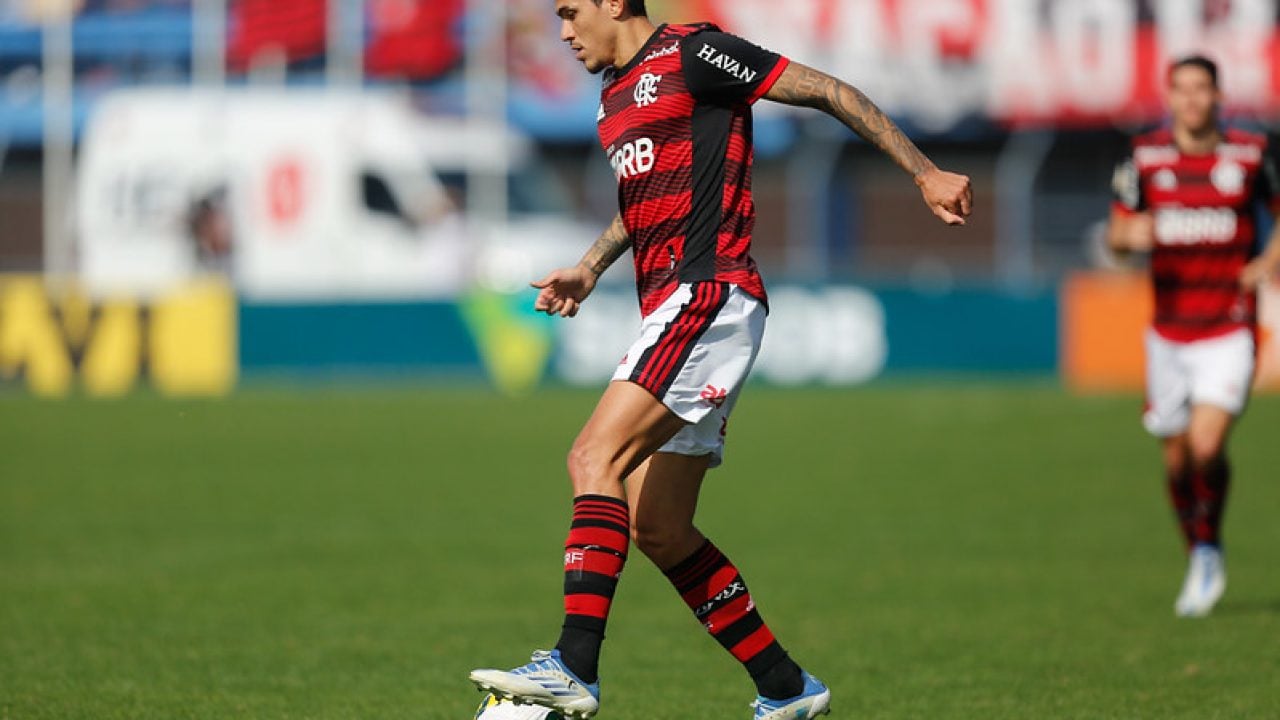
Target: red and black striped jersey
(676,125)
(1205,209)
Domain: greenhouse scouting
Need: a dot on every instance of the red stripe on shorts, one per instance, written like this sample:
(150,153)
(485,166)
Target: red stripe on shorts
(663,362)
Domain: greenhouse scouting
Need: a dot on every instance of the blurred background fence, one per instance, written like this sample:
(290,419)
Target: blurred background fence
(198,192)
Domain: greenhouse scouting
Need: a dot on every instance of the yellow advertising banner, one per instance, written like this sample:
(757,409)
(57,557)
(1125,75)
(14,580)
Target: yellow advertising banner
(55,339)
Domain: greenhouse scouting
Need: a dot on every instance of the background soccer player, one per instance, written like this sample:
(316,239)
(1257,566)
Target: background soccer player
(675,120)
(1189,195)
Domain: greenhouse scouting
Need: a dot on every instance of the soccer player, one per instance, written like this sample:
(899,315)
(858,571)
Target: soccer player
(1188,195)
(675,120)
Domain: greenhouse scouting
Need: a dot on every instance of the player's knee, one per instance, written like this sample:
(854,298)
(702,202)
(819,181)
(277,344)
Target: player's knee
(1204,447)
(589,469)
(1205,452)
(579,464)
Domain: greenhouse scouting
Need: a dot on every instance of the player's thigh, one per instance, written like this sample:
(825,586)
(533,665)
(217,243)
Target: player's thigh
(1168,393)
(696,350)
(1222,371)
(663,495)
(627,426)
(704,382)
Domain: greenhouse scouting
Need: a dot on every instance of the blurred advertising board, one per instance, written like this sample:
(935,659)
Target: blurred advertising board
(1104,318)
(815,336)
(56,339)
(821,336)
(200,340)
(840,335)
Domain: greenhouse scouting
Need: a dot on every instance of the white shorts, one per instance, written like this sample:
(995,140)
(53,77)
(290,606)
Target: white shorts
(694,354)
(1216,372)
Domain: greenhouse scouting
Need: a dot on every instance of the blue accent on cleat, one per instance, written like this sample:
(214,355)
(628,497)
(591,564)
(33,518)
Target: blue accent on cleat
(813,701)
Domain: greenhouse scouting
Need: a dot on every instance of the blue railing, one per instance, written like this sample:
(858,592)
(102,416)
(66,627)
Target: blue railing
(159,33)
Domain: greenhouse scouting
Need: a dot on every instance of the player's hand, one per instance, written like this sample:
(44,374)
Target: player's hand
(1140,233)
(948,195)
(1255,275)
(564,290)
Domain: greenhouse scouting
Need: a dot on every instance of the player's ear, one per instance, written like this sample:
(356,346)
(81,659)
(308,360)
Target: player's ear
(615,8)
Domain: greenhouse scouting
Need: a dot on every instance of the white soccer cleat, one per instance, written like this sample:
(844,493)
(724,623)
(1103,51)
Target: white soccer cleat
(813,701)
(545,681)
(1205,583)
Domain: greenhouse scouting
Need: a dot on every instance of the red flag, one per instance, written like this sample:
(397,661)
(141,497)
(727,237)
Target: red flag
(413,38)
(296,28)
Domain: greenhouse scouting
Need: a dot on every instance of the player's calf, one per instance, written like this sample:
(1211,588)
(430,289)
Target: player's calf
(718,596)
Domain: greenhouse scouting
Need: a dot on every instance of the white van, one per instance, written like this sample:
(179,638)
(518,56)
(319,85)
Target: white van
(297,195)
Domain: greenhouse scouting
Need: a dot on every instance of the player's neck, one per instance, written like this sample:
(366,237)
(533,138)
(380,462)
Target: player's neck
(1197,142)
(633,35)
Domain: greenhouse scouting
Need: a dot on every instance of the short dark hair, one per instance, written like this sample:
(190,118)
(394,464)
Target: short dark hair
(1196,61)
(635,7)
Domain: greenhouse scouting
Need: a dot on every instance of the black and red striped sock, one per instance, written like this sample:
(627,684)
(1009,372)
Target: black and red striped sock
(1211,487)
(714,590)
(594,555)
(1183,498)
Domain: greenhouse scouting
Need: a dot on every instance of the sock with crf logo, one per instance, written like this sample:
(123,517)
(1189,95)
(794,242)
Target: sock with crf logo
(714,590)
(594,555)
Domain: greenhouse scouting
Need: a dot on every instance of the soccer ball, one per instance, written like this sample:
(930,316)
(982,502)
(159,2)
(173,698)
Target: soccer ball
(494,709)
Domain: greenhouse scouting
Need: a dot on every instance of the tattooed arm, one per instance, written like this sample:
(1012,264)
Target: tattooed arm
(948,195)
(563,291)
(611,246)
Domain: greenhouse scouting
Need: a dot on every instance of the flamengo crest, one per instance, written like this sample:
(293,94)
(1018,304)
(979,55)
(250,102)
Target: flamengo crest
(1229,177)
(647,90)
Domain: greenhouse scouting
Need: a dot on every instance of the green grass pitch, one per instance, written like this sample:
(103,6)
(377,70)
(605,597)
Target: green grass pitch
(931,551)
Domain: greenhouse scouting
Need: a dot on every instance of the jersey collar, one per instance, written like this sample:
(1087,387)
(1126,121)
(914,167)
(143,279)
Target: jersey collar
(642,52)
(1222,140)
